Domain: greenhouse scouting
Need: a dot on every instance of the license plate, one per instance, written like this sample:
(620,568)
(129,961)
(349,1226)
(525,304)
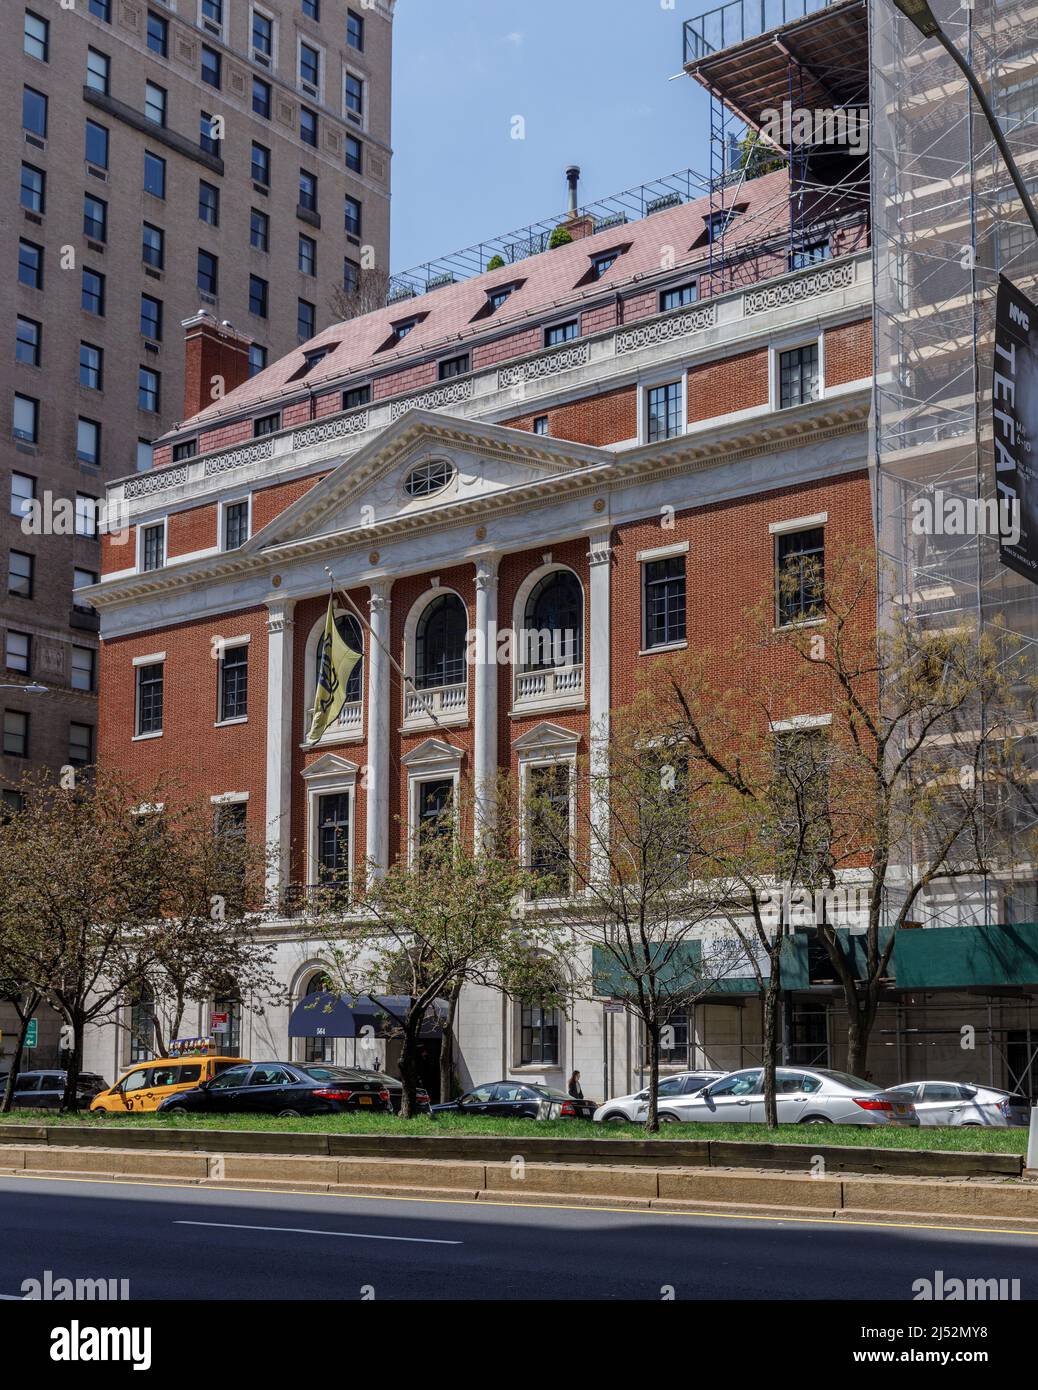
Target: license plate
(900,1109)
(366,1100)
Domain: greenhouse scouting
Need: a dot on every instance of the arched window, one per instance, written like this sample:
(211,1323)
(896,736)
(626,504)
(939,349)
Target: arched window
(349,631)
(440,643)
(553,622)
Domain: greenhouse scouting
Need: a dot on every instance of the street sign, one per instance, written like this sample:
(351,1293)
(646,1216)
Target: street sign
(612,1006)
(31,1032)
(219,1023)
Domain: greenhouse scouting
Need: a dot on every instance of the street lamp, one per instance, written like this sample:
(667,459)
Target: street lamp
(921,15)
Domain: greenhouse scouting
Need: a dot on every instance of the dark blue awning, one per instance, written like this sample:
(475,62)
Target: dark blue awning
(324,1015)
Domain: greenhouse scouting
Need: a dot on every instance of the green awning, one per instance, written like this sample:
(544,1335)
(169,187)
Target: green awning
(961,957)
(613,977)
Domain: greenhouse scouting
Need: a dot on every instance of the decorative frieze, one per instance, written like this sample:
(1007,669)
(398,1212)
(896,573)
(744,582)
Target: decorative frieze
(434,400)
(836,277)
(158,481)
(551,364)
(236,458)
(664,330)
(333,429)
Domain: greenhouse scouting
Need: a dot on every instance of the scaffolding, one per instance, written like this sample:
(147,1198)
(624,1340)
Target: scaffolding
(946,221)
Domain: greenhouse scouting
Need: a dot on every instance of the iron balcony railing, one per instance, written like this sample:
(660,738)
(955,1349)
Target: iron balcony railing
(739,20)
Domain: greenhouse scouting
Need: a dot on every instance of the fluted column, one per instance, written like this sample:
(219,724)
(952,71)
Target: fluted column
(485,676)
(599,558)
(377,822)
(280,628)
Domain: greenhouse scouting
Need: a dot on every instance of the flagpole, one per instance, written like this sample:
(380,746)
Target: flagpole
(337,588)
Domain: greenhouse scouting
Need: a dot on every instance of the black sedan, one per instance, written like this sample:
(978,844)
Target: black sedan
(518,1100)
(281,1088)
(322,1072)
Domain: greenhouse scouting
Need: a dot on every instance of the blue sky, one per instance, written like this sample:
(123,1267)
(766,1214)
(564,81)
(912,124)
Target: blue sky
(589,77)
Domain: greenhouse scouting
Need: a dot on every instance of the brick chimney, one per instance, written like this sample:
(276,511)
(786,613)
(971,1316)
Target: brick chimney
(216,360)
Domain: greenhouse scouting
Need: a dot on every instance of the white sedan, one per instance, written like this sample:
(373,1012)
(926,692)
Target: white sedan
(958,1104)
(802,1096)
(623,1109)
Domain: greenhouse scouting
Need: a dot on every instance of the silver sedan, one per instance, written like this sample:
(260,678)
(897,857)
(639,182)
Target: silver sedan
(956,1103)
(806,1096)
(622,1109)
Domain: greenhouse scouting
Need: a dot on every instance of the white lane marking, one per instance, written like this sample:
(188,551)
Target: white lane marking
(306,1231)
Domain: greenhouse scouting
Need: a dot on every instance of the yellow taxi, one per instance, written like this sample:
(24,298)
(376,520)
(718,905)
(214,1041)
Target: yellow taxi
(146,1085)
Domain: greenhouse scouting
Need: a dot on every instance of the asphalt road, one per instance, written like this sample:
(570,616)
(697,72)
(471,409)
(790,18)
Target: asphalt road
(182,1242)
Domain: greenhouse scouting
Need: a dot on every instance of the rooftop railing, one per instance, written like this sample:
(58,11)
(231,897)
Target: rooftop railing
(739,20)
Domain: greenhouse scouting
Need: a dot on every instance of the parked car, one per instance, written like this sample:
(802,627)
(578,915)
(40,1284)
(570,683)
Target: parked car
(43,1090)
(518,1100)
(322,1071)
(623,1109)
(280,1088)
(957,1103)
(145,1086)
(806,1096)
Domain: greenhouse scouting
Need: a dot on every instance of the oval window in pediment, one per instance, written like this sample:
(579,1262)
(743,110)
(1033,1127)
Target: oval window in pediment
(428,478)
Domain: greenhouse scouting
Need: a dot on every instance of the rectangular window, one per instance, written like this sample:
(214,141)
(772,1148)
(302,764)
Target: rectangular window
(208,272)
(86,515)
(21,573)
(664,601)
(435,803)
(308,126)
(30,265)
(454,366)
(235,525)
(266,424)
(26,419)
(154,175)
(257,296)
(83,669)
(354,154)
(101,9)
(257,359)
(155,103)
(312,9)
(158,34)
(798,375)
(95,218)
(548,828)
(18,652)
(96,145)
(16,734)
(664,411)
(353,216)
(208,139)
(186,449)
(306,320)
(23,494)
(234,682)
(153,249)
(82,579)
(28,342)
(148,390)
(307,190)
(212,65)
(353,97)
(262,37)
(145,455)
(309,67)
(80,744)
(36,37)
(99,67)
(34,189)
(350,276)
(812,254)
(259,231)
(151,318)
(307,255)
(261,97)
(359,395)
(333,839)
(538,1036)
(212,13)
(561,333)
(93,294)
(260,164)
(355,31)
(799,574)
(88,441)
(91,360)
(679,296)
(149,698)
(34,112)
(153,547)
(540,424)
(208,203)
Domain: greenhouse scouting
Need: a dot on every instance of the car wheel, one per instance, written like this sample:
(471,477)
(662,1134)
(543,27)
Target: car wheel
(288,1114)
(816,1120)
(616,1118)
(175,1110)
(668,1119)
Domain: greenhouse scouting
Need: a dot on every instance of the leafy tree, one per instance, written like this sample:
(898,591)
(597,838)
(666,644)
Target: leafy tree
(561,236)
(496,263)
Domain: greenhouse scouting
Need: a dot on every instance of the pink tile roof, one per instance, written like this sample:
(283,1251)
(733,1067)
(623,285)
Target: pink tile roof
(551,281)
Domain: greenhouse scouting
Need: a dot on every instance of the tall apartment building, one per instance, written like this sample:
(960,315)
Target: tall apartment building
(172,157)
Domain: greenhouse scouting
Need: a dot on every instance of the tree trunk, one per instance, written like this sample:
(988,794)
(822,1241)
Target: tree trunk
(652,1121)
(409,1067)
(447,1045)
(24,1017)
(772,995)
(857,1037)
(75,1066)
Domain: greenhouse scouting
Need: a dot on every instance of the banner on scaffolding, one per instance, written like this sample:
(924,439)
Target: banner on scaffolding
(1015,428)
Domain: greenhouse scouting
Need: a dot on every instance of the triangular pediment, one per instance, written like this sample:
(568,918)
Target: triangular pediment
(331,765)
(434,752)
(548,738)
(422,468)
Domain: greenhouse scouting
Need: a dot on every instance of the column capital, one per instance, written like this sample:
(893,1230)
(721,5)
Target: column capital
(599,551)
(487,567)
(379,599)
(280,614)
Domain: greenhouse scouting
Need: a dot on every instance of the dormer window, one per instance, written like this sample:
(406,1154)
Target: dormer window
(601,264)
(497,298)
(717,222)
(401,330)
(311,360)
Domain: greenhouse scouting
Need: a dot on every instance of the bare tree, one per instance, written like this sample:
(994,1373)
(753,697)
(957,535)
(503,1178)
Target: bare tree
(371,293)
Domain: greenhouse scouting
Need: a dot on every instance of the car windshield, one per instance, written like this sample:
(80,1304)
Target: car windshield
(855,1083)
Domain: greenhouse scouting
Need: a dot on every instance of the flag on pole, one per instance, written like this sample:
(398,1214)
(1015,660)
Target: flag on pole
(337,663)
